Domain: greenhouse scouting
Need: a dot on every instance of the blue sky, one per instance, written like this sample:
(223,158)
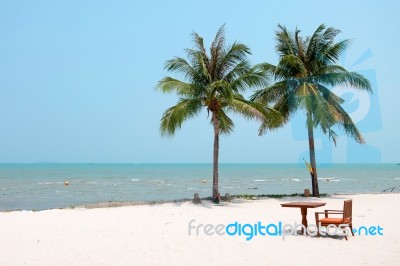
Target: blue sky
(77,79)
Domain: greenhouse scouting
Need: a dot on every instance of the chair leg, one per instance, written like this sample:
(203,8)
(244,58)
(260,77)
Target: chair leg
(317,222)
(351,228)
(344,232)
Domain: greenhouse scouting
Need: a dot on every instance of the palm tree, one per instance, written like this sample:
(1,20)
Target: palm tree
(306,69)
(213,81)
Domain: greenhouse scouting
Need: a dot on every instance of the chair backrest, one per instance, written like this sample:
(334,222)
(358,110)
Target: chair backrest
(347,209)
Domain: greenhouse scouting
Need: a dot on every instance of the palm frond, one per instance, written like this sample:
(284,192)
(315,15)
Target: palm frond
(168,85)
(332,54)
(351,79)
(287,105)
(214,81)
(174,116)
(225,123)
(252,78)
(332,135)
(344,121)
(269,117)
(180,65)
(269,69)
(216,52)
(290,66)
(285,41)
(199,44)
(232,57)
(329,35)
(314,42)
(274,92)
(199,63)
(250,110)
(238,70)
(327,112)
(320,109)
(329,95)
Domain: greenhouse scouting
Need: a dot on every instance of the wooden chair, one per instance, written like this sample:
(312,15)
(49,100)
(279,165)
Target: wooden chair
(344,221)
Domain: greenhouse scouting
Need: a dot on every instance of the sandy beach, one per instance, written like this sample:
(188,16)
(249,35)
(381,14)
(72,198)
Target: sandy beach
(159,235)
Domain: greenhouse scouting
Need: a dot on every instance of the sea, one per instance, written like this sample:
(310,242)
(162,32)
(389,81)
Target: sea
(41,186)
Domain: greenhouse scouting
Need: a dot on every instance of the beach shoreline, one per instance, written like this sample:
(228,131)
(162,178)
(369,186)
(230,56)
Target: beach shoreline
(43,186)
(234,199)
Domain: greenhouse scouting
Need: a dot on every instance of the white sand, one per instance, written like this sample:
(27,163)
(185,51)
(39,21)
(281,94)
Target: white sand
(158,235)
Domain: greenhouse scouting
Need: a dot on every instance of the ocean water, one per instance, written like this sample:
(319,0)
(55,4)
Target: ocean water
(41,186)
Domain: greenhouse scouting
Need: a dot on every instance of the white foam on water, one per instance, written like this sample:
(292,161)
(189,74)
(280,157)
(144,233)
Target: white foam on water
(46,183)
(329,179)
(181,181)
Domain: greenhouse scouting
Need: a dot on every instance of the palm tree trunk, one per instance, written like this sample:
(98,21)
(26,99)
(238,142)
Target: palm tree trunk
(216,152)
(314,179)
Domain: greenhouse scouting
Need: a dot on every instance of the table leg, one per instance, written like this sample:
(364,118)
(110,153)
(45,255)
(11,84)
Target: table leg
(304,219)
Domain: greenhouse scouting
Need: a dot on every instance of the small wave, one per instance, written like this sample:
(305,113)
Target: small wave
(227,187)
(190,188)
(50,183)
(46,183)
(260,180)
(91,182)
(397,178)
(329,179)
(296,179)
(135,179)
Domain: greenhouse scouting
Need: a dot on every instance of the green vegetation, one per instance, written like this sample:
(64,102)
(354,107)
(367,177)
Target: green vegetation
(256,197)
(273,196)
(306,69)
(214,81)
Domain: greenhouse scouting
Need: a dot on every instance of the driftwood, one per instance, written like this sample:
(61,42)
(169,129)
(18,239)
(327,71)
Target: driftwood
(391,189)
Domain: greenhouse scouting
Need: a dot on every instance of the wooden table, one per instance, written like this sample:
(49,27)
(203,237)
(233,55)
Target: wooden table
(303,205)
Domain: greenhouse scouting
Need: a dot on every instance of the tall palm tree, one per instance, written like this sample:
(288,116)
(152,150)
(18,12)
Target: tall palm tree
(213,81)
(307,68)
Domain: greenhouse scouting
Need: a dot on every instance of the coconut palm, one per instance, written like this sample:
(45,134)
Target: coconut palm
(307,68)
(213,81)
